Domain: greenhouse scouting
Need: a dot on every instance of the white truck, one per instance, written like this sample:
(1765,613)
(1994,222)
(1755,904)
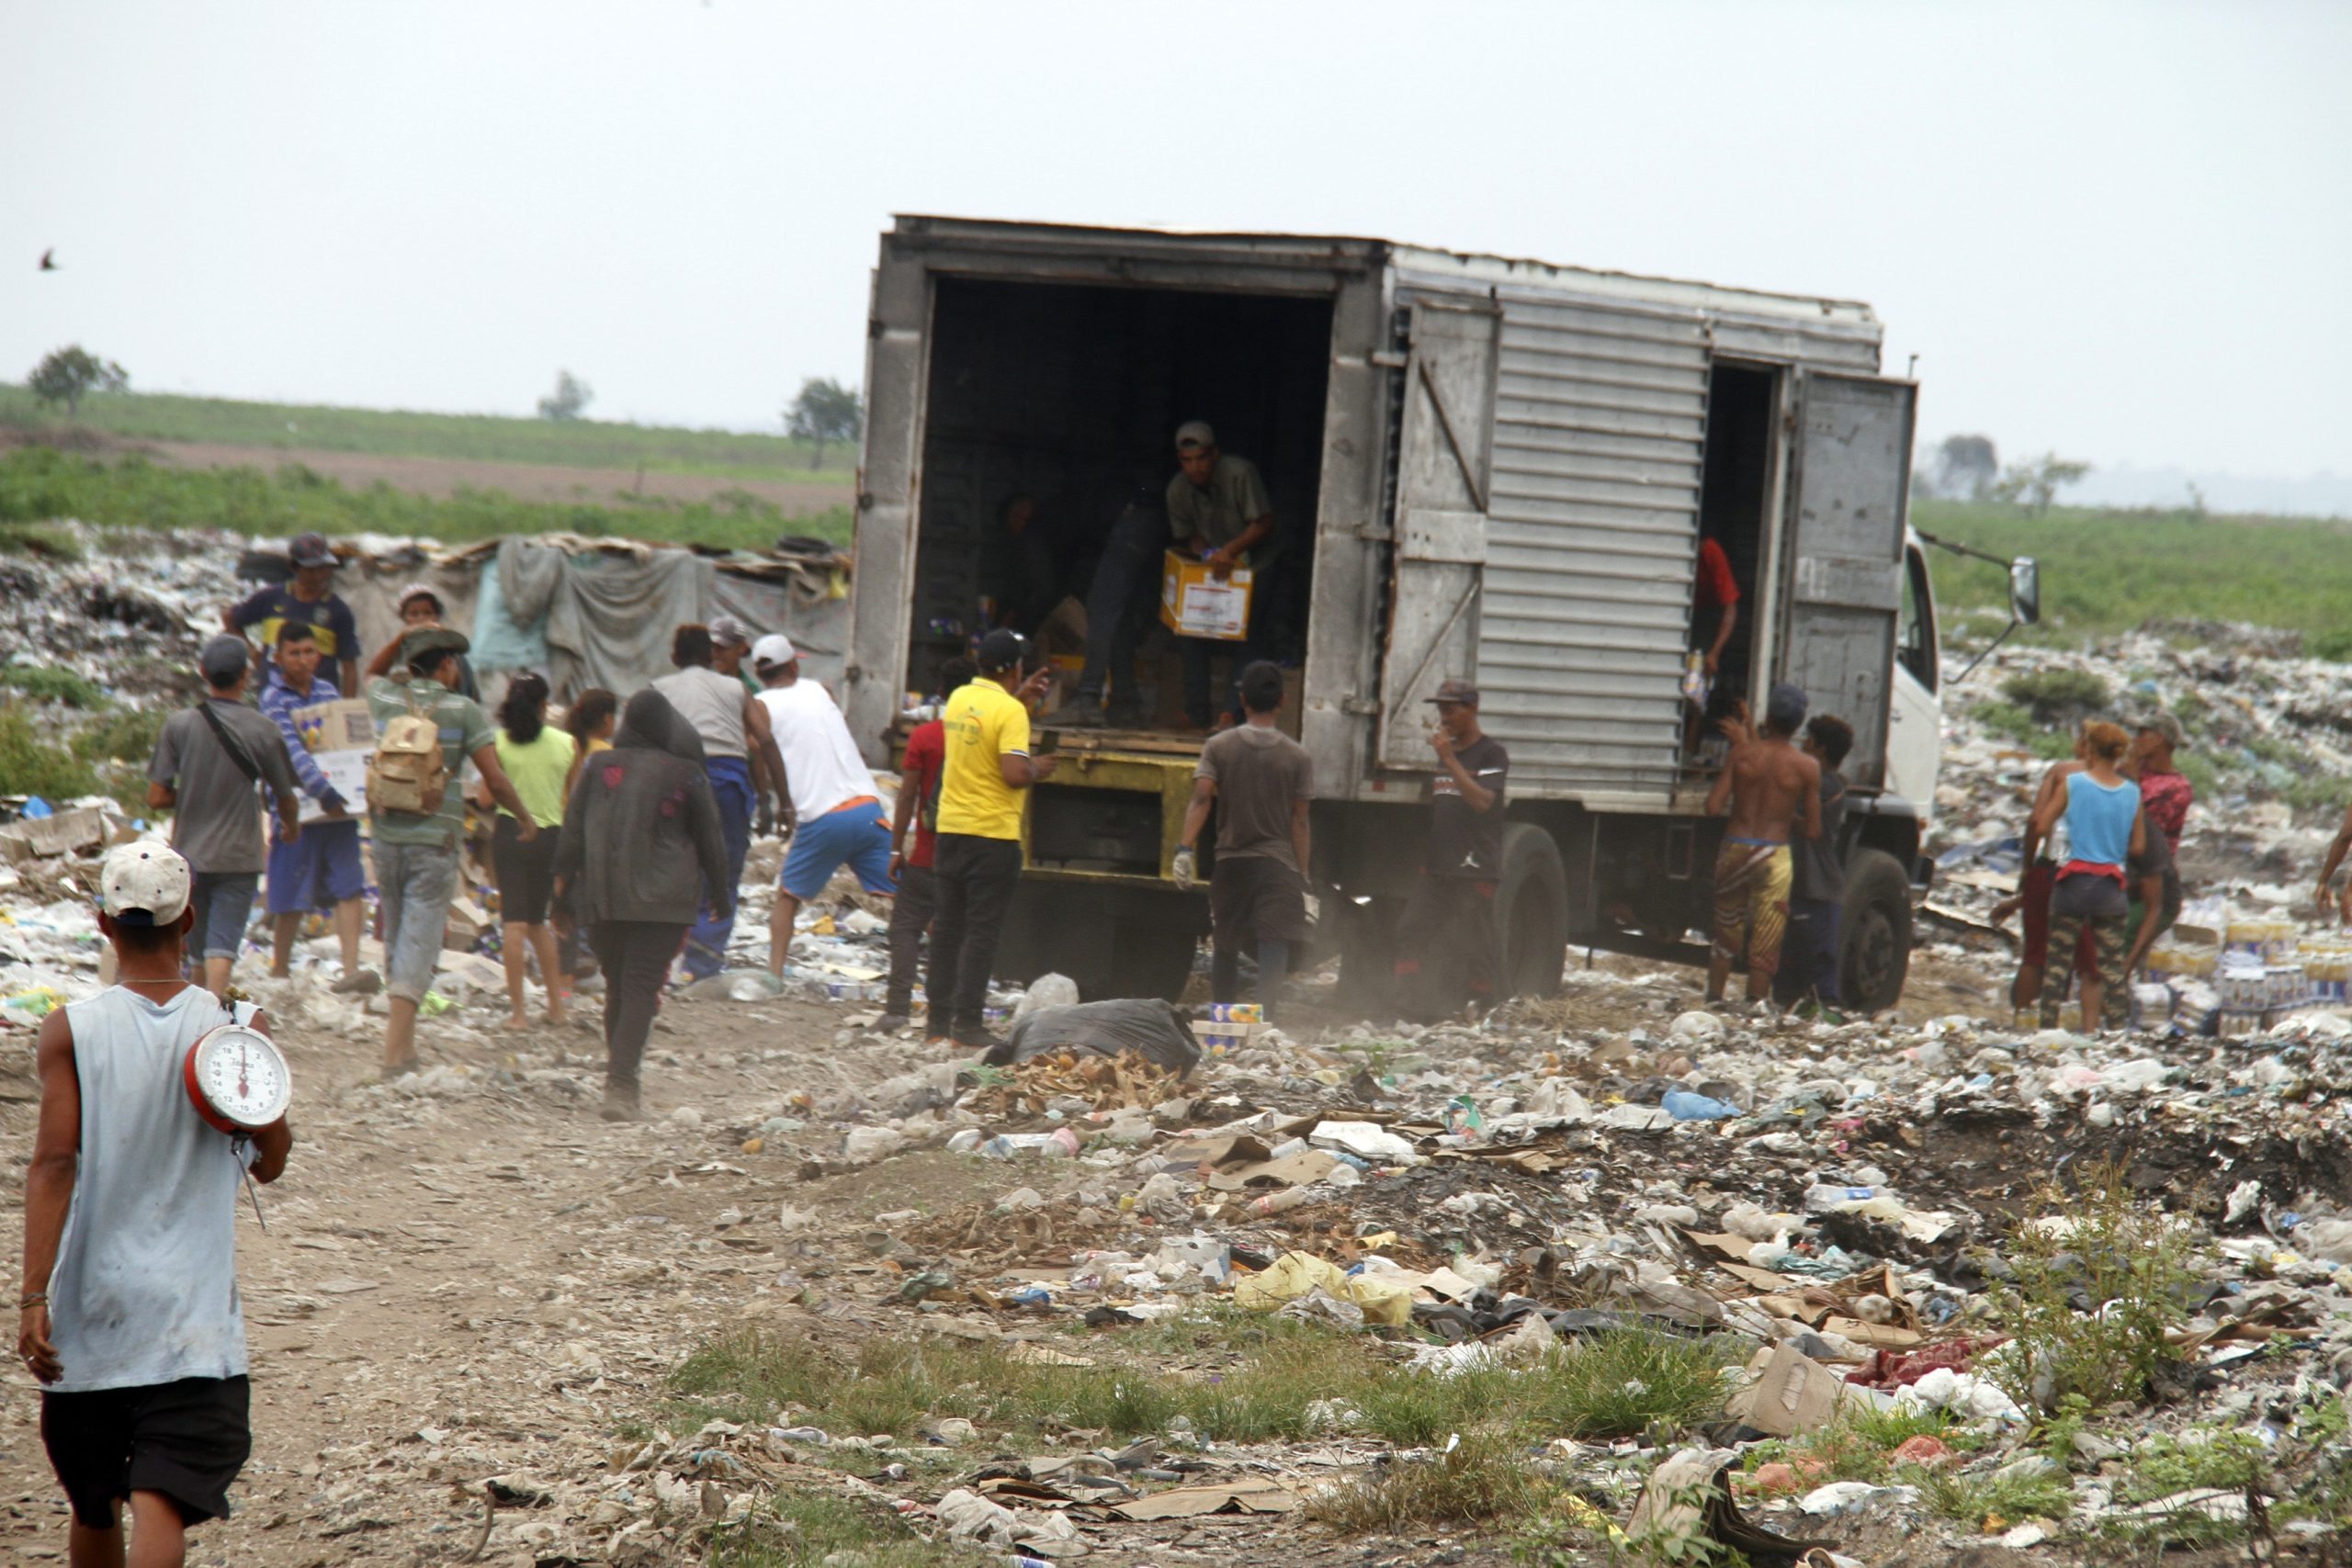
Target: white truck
(1482,468)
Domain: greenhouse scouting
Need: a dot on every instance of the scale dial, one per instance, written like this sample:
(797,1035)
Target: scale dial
(238,1079)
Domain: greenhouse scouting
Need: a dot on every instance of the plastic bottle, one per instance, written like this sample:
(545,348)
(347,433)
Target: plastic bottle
(1823,1199)
(1275,1202)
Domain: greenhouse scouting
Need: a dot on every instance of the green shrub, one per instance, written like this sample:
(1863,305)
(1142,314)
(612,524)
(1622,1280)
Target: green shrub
(2052,695)
(2105,1244)
(47,684)
(29,765)
(121,735)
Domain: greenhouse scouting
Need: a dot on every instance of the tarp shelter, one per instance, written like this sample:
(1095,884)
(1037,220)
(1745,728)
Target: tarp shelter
(587,612)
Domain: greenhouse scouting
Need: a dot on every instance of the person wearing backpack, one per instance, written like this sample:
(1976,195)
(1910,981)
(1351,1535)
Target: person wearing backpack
(416,812)
(918,897)
(215,765)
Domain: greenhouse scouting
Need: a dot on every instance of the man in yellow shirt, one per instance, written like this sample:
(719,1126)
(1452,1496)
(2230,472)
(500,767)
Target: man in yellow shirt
(976,862)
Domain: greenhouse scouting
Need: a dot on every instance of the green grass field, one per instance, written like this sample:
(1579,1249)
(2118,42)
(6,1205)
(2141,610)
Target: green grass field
(38,485)
(490,438)
(2105,572)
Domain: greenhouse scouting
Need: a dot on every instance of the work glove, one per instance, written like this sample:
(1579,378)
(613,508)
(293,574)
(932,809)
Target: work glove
(1314,910)
(764,819)
(1182,869)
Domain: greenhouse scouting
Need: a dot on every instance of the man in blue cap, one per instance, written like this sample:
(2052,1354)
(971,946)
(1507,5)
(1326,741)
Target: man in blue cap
(1766,786)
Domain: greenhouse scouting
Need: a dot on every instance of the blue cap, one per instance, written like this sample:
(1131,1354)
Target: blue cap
(1785,708)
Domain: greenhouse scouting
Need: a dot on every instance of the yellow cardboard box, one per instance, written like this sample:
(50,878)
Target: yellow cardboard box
(1193,604)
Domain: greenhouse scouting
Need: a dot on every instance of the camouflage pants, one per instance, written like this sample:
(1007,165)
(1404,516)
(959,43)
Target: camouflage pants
(2107,947)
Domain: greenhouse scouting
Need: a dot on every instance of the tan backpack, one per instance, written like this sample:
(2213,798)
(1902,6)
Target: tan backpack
(407,772)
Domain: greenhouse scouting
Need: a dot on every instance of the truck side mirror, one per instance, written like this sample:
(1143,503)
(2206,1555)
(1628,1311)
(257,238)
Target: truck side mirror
(2025,591)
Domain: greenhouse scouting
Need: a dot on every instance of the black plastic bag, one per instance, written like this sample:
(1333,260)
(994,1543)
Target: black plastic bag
(1145,1025)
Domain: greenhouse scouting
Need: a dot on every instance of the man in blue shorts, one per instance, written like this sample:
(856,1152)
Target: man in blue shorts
(320,870)
(838,817)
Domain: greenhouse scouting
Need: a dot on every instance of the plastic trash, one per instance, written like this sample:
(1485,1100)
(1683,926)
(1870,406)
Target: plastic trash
(1367,1140)
(735,986)
(1685,1106)
(1061,1144)
(35,809)
(1145,1025)
(1046,991)
(812,1437)
(1823,1200)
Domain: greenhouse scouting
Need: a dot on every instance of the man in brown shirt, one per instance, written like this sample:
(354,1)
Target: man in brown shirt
(1260,780)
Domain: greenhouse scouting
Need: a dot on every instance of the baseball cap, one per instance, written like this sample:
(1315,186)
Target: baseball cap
(1195,433)
(1785,708)
(311,549)
(144,883)
(2164,724)
(726,631)
(222,657)
(773,652)
(1002,648)
(1461,691)
(431,639)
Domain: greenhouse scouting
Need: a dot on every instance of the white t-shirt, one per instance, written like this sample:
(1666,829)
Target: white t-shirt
(820,761)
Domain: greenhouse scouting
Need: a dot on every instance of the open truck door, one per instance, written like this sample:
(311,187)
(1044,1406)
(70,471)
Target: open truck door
(1445,458)
(1848,490)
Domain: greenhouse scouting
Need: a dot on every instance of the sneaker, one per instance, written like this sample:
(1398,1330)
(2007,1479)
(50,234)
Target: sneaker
(622,1104)
(889,1023)
(358,983)
(1081,715)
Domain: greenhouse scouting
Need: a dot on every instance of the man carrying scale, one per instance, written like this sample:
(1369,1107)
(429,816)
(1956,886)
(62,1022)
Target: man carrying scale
(128,1312)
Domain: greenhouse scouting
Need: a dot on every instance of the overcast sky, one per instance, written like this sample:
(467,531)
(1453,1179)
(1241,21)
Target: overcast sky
(2121,232)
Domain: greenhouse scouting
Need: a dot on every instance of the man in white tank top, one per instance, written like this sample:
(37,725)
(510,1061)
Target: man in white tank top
(127,1312)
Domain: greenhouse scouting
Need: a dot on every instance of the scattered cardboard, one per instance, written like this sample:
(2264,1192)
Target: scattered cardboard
(1291,1170)
(1787,1393)
(1193,1502)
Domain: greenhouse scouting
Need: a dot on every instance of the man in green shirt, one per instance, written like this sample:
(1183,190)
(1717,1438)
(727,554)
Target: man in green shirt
(417,853)
(1218,509)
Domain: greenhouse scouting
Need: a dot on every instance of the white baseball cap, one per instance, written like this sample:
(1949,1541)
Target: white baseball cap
(145,884)
(773,652)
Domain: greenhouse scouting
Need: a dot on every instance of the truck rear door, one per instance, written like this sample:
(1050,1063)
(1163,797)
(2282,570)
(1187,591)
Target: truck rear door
(1849,487)
(1444,453)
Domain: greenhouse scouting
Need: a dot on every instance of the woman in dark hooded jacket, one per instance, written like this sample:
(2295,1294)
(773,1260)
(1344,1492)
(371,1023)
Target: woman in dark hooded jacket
(648,841)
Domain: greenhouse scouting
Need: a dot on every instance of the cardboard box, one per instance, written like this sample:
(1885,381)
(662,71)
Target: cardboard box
(1193,604)
(341,735)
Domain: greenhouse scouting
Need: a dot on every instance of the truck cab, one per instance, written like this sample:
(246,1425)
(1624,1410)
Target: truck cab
(1482,468)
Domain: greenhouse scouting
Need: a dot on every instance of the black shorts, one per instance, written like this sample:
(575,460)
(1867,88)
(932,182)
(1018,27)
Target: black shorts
(1256,898)
(185,1439)
(525,872)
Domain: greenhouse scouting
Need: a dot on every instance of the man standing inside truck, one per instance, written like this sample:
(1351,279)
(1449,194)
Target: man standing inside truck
(976,855)
(1218,507)
(1767,783)
(1448,925)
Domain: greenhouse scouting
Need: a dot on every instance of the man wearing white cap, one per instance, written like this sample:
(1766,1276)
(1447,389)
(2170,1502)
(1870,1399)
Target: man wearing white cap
(128,1310)
(837,814)
(1218,507)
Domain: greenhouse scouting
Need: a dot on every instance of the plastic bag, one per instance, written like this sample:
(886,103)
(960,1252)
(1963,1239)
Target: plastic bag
(1142,1025)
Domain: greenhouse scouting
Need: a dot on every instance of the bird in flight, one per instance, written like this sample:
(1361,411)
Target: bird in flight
(49,260)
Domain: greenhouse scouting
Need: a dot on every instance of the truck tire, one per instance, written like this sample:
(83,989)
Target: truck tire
(1531,913)
(1874,932)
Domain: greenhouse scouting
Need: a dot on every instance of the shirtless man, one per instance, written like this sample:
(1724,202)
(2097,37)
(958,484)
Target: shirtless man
(1765,784)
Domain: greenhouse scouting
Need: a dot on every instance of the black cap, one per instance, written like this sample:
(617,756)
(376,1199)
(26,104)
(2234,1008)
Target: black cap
(311,549)
(1002,648)
(1461,691)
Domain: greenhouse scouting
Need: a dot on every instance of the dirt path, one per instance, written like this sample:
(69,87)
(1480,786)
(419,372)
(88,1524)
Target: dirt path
(524,481)
(474,1278)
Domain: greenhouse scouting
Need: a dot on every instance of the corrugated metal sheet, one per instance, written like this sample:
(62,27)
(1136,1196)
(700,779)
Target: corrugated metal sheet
(1599,432)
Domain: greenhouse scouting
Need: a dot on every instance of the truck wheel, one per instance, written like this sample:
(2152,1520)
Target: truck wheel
(1874,932)
(1531,913)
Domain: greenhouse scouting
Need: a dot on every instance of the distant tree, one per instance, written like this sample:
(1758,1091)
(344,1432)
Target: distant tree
(70,374)
(568,400)
(824,412)
(2035,483)
(1966,465)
